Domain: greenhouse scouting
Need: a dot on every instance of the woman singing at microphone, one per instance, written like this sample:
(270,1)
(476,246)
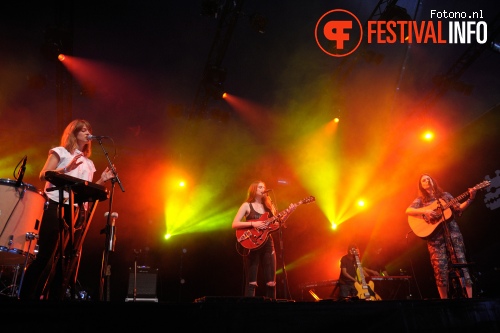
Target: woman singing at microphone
(71,158)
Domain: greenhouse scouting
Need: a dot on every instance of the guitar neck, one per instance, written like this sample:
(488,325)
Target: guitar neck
(466,194)
(456,200)
(272,219)
(252,237)
(423,226)
(282,213)
(360,270)
(361,275)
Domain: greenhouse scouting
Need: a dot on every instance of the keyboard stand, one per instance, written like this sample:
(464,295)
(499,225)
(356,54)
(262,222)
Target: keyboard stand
(73,229)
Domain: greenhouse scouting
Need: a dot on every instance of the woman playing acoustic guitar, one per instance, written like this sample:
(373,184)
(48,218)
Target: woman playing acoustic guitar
(427,207)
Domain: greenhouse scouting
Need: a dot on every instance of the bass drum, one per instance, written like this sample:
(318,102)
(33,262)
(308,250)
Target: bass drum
(21,212)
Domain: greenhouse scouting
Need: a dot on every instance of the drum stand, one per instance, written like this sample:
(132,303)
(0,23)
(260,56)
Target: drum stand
(11,290)
(15,291)
(29,237)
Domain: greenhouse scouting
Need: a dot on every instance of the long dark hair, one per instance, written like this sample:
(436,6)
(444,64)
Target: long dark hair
(426,196)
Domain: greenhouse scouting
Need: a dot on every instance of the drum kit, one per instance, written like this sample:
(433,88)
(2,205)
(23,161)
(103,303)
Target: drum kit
(21,210)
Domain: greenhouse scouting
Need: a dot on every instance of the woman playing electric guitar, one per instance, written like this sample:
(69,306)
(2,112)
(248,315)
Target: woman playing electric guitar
(256,205)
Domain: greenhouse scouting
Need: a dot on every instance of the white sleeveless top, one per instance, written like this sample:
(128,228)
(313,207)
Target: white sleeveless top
(84,171)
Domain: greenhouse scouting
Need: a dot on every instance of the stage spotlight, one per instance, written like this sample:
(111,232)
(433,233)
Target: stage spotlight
(215,91)
(57,40)
(214,81)
(51,50)
(428,136)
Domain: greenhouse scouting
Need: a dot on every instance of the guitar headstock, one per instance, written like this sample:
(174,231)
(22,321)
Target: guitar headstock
(309,199)
(482,185)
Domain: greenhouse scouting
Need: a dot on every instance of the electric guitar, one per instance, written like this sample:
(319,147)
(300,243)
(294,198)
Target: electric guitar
(423,227)
(365,290)
(252,237)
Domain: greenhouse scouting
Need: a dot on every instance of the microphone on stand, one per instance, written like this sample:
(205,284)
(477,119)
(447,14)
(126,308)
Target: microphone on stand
(267,191)
(98,137)
(22,170)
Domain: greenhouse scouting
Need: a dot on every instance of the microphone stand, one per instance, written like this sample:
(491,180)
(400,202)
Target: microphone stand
(454,266)
(282,256)
(109,242)
(22,171)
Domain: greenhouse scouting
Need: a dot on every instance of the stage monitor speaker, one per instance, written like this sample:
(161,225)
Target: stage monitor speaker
(145,284)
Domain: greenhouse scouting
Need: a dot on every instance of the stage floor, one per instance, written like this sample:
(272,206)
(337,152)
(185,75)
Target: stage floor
(244,314)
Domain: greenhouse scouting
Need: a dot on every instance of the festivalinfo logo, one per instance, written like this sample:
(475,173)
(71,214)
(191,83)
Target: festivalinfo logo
(339,32)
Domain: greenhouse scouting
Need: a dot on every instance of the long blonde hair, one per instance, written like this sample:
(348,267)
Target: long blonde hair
(68,138)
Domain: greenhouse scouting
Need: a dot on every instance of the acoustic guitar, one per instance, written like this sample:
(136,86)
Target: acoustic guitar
(423,227)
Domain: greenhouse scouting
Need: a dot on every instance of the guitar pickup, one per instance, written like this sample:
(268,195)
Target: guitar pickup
(246,235)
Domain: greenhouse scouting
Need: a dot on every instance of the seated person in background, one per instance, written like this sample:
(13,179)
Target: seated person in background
(349,275)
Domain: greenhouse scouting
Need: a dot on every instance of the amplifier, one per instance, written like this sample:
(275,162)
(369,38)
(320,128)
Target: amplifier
(145,283)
